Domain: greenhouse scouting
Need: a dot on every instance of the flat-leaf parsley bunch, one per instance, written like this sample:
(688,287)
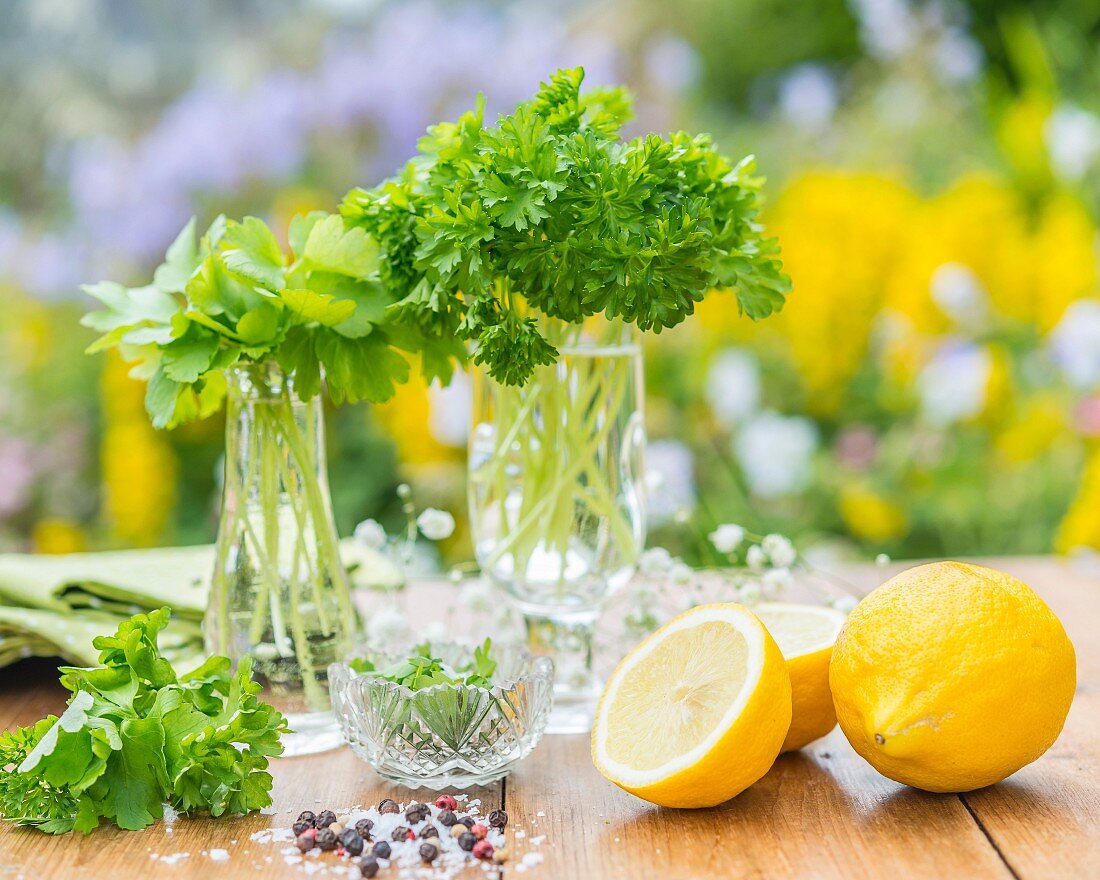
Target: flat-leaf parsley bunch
(551,210)
(234,296)
(136,736)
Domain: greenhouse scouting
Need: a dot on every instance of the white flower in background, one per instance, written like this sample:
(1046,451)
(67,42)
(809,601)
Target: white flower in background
(756,558)
(435,524)
(952,385)
(776,453)
(727,537)
(957,57)
(436,631)
(655,561)
(387,625)
(671,63)
(477,595)
(780,550)
(808,97)
(370,534)
(886,27)
(882,559)
(958,292)
(1075,344)
(449,417)
(775,580)
(669,480)
(1072,136)
(733,386)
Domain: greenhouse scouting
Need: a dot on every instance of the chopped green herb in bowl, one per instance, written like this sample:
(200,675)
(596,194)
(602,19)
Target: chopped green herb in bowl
(444,714)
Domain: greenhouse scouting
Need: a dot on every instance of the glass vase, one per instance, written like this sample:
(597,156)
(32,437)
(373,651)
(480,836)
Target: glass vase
(557,502)
(279,591)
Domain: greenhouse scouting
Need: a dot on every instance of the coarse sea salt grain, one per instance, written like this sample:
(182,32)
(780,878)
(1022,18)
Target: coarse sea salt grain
(219,855)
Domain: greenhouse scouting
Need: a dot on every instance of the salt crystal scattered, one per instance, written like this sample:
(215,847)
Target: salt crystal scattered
(537,841)
(219,855)
(541,813)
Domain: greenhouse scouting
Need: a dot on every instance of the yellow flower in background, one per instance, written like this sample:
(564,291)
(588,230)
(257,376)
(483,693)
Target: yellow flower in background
(1064,262)
(1034,431)
(58,535)
(407,418)
(842,234)
(1080,529)
(870,516)
(139,469)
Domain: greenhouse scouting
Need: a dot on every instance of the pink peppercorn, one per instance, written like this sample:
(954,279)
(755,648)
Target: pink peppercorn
(446,802)
(479,831)
(483,850)
(311,833)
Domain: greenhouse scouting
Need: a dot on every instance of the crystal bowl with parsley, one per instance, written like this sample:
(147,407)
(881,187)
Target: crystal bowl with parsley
(443,714)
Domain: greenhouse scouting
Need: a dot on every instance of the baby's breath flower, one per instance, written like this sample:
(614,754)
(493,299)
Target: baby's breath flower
(780,550)
(655,561)
(680,572)
(387,625)
(435,525)
(727,537)
(749,592)
(775,581)
(370,534)
(882,559)
(844,603)
(756,558)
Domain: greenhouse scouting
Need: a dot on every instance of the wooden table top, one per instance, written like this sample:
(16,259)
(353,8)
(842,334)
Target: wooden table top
(820,813)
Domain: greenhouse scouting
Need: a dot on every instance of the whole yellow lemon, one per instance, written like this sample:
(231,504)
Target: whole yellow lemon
(950,677)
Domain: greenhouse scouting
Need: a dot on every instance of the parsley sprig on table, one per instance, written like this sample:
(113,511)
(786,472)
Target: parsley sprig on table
(423,670)
(549,211)
(136,735)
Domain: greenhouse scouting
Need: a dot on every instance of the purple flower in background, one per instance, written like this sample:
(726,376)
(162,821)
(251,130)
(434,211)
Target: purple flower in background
(17,466)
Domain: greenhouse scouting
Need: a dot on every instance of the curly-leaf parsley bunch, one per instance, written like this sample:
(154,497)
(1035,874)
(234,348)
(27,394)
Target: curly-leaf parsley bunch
(549,211)
(234,296)
(137,736)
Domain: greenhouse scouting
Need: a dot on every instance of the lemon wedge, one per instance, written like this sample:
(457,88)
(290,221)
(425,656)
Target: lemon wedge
(806,635)
(697,712)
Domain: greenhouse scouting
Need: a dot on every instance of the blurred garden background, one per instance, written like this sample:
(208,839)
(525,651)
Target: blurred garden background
(933,387)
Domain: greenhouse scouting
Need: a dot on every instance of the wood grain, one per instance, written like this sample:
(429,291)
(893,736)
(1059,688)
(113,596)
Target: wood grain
(821,813)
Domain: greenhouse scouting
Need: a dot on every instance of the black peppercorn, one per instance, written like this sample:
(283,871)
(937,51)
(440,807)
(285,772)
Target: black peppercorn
(351,841)
(498,819)
(326,839)
(468,821)
(429,830)
(416,813)
(305,842)
(429,852)
(326,818)
(388,805)
(382,849)
(363,826)
(369,866)
(447,818)
(301,827)
(467,841)
(400,833)
(307,816)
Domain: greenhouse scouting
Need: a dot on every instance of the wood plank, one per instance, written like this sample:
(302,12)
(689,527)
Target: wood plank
(823,813)
(336,780)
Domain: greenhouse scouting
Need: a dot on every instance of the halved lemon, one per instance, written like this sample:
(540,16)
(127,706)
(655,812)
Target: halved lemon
(697,712)
(806,635)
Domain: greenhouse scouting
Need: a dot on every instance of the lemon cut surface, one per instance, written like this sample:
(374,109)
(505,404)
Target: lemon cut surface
(697,712)
(805,635)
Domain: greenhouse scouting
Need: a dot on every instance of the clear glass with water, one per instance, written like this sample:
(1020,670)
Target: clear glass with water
(279,590)
(557,498)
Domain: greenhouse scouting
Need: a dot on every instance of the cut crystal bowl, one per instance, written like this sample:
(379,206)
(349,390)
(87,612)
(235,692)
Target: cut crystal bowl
(444,735)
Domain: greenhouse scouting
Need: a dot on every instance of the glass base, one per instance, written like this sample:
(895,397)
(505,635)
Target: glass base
(313,732)
(458,779)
